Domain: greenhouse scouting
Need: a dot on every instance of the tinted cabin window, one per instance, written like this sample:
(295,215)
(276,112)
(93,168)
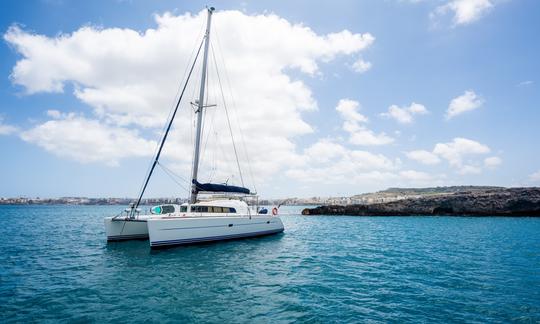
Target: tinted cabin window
(167,209)
(183,209)
(209,209)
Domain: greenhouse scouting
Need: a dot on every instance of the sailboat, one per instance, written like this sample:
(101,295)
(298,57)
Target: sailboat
(224,213)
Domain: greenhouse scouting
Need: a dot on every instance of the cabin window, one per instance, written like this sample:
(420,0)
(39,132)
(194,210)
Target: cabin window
(209,209)
(183,209)
(167,209)
(199,209)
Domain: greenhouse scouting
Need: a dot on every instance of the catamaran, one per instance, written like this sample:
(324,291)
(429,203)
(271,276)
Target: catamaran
(214,212)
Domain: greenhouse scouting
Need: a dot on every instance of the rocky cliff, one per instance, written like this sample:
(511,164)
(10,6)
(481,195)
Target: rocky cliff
(488,202)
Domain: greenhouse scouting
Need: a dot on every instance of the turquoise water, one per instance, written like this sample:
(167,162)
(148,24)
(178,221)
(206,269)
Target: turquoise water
(56,265)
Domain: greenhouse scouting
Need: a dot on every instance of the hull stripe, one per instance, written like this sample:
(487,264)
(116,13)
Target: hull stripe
(126,237)
(213,238)
(211,226)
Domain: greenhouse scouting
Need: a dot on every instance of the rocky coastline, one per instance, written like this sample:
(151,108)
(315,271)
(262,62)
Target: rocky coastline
(488,202)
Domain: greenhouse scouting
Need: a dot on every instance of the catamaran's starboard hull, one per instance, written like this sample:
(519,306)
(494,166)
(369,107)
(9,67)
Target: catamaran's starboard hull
(188,230)
(121,229)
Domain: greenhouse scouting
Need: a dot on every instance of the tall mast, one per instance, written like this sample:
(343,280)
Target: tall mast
(199,112)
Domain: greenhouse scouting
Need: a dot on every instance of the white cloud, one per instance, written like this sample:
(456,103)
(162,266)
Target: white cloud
(339,165)
(349,111)
(6,129)
(129,78)
(535,177)
(359,133)
(460,154)
(367,137)
(54,114)
(457,150)
(324,150)
(417,176)
(492,162)
(464,11)
(469,169)
(424,157)
(361,66)
(405,115)
(330,162)
(87,140)
(466,102)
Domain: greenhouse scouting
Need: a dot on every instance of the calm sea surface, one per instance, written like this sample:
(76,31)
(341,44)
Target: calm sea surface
(56,265)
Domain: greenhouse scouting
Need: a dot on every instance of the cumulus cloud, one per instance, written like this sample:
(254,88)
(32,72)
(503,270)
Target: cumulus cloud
(361,66)
(354,125)
(469,169)
(466,102)
(87,140)
(461,154)
(6,129)
(329,162)
(464,11)
(129,78)
(349,111)
(492,162)
(405,115)
(424,157)
(456,151)
(417,176)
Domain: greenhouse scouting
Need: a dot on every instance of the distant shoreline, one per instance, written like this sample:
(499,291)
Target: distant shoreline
(478,202)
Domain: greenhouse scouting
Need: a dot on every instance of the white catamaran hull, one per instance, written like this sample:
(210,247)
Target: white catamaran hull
(121,229)
(185,230)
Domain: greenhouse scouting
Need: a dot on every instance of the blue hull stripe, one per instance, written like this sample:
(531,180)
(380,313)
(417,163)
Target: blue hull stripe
(213,238)
(211,226)
(126,237)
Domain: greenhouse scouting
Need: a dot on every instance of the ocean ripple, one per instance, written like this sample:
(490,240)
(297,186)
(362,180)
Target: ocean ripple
(56,266)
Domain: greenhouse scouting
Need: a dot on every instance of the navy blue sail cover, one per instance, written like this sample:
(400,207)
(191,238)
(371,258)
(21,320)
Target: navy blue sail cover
(213,187)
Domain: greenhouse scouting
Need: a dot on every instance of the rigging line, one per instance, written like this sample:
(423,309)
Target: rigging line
(216,32)
(175,99)
(204,124)
(167,131)
(227,114)
(171,171)
(172,175)
(203,127)
(211,127)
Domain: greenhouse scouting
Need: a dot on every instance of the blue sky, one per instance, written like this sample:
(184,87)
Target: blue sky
(406,93)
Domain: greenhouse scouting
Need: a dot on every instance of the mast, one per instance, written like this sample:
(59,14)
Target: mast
(193,197)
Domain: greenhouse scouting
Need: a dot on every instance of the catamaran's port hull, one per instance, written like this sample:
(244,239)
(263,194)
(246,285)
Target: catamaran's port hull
(164,232)
(122,229)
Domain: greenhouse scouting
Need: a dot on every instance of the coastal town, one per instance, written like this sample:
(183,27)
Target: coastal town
(384,196)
